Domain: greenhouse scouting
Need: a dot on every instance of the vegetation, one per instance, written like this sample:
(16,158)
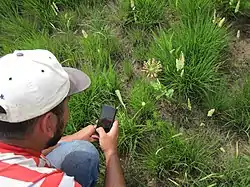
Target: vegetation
(184,119)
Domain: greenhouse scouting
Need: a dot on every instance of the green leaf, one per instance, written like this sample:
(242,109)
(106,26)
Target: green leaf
(170,93)
(189,105)
(182,73)
(237,7)
(156,85)
(118,93)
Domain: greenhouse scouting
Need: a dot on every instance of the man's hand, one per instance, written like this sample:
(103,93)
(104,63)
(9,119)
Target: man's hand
(84,134)
(108,141)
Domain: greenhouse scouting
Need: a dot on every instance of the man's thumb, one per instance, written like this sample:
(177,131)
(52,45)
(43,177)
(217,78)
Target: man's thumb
(100,131)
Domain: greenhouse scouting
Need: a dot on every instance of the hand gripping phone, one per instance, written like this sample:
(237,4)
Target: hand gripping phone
(107,117)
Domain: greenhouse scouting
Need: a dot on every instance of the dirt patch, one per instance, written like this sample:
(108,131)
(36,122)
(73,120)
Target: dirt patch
(240,50)
(241,53)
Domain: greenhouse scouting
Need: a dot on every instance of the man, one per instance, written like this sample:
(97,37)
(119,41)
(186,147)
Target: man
(34,95)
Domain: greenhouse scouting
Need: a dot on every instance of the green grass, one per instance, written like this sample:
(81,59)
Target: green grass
(203,44)
(127,68)
(102,91)
(145,14)
(236,172)
(237,115)
(99,48)
(172,157)
(110,40)
(229,9)
(219,99)
(142,99)
(232,105)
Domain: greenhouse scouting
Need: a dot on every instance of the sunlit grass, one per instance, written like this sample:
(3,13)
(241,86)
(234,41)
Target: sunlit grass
(203,45)
(110,41)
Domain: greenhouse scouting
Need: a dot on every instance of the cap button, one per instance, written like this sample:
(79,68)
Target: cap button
(19,54)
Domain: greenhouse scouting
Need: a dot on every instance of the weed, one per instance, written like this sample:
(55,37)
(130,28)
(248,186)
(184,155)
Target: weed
(161,90)
(73,4)
(152,68)
(100,47)
(220,98)
(127,68)
(132,132)
(171,157)
(139,40)
(142,98)
(233,8)
(192,11)
(200,71)
(39,12)
(90,35)
(238,115)
(236,172)
(14,32)
(145,14)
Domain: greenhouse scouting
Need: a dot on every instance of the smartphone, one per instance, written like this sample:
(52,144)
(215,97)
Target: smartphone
(107,117)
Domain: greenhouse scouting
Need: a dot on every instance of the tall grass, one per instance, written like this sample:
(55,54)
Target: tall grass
(87,35)
(86,106)
(169,156)
(145,14)
(232,105)
(133,132)
(236,173)
(39,12)
(220,99)
(100,47)
(237,115)
(192,11)
(203,45)
(229,8)
(142,99)
(73,4)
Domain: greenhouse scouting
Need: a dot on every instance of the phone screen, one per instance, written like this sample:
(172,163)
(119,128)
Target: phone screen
(107,117)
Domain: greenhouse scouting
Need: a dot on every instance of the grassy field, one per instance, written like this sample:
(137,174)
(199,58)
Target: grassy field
(176,69)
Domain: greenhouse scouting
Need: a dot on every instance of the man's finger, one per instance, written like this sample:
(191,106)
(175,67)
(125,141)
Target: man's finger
(114,129)
(91,129)
(94,138)
(100,131)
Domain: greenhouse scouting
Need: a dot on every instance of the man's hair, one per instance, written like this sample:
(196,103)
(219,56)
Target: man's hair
(17,131)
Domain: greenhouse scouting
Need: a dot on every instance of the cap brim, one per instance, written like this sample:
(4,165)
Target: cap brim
(79,81)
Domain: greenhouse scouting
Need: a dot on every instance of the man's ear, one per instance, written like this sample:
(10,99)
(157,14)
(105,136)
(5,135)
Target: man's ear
(48,124)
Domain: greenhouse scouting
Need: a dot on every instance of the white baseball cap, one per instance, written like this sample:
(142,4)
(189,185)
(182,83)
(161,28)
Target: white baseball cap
(32,82)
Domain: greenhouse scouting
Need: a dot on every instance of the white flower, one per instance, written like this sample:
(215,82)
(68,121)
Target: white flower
(238,34)
(85,35)
(221,22)
(210,112)
(152,68)
(180,62)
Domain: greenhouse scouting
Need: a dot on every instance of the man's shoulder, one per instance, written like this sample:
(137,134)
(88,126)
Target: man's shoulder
(58,179)
(53,179)
(20,170)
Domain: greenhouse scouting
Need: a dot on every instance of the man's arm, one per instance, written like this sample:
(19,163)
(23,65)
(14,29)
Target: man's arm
(108,142)
(114,175)
(83,134)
